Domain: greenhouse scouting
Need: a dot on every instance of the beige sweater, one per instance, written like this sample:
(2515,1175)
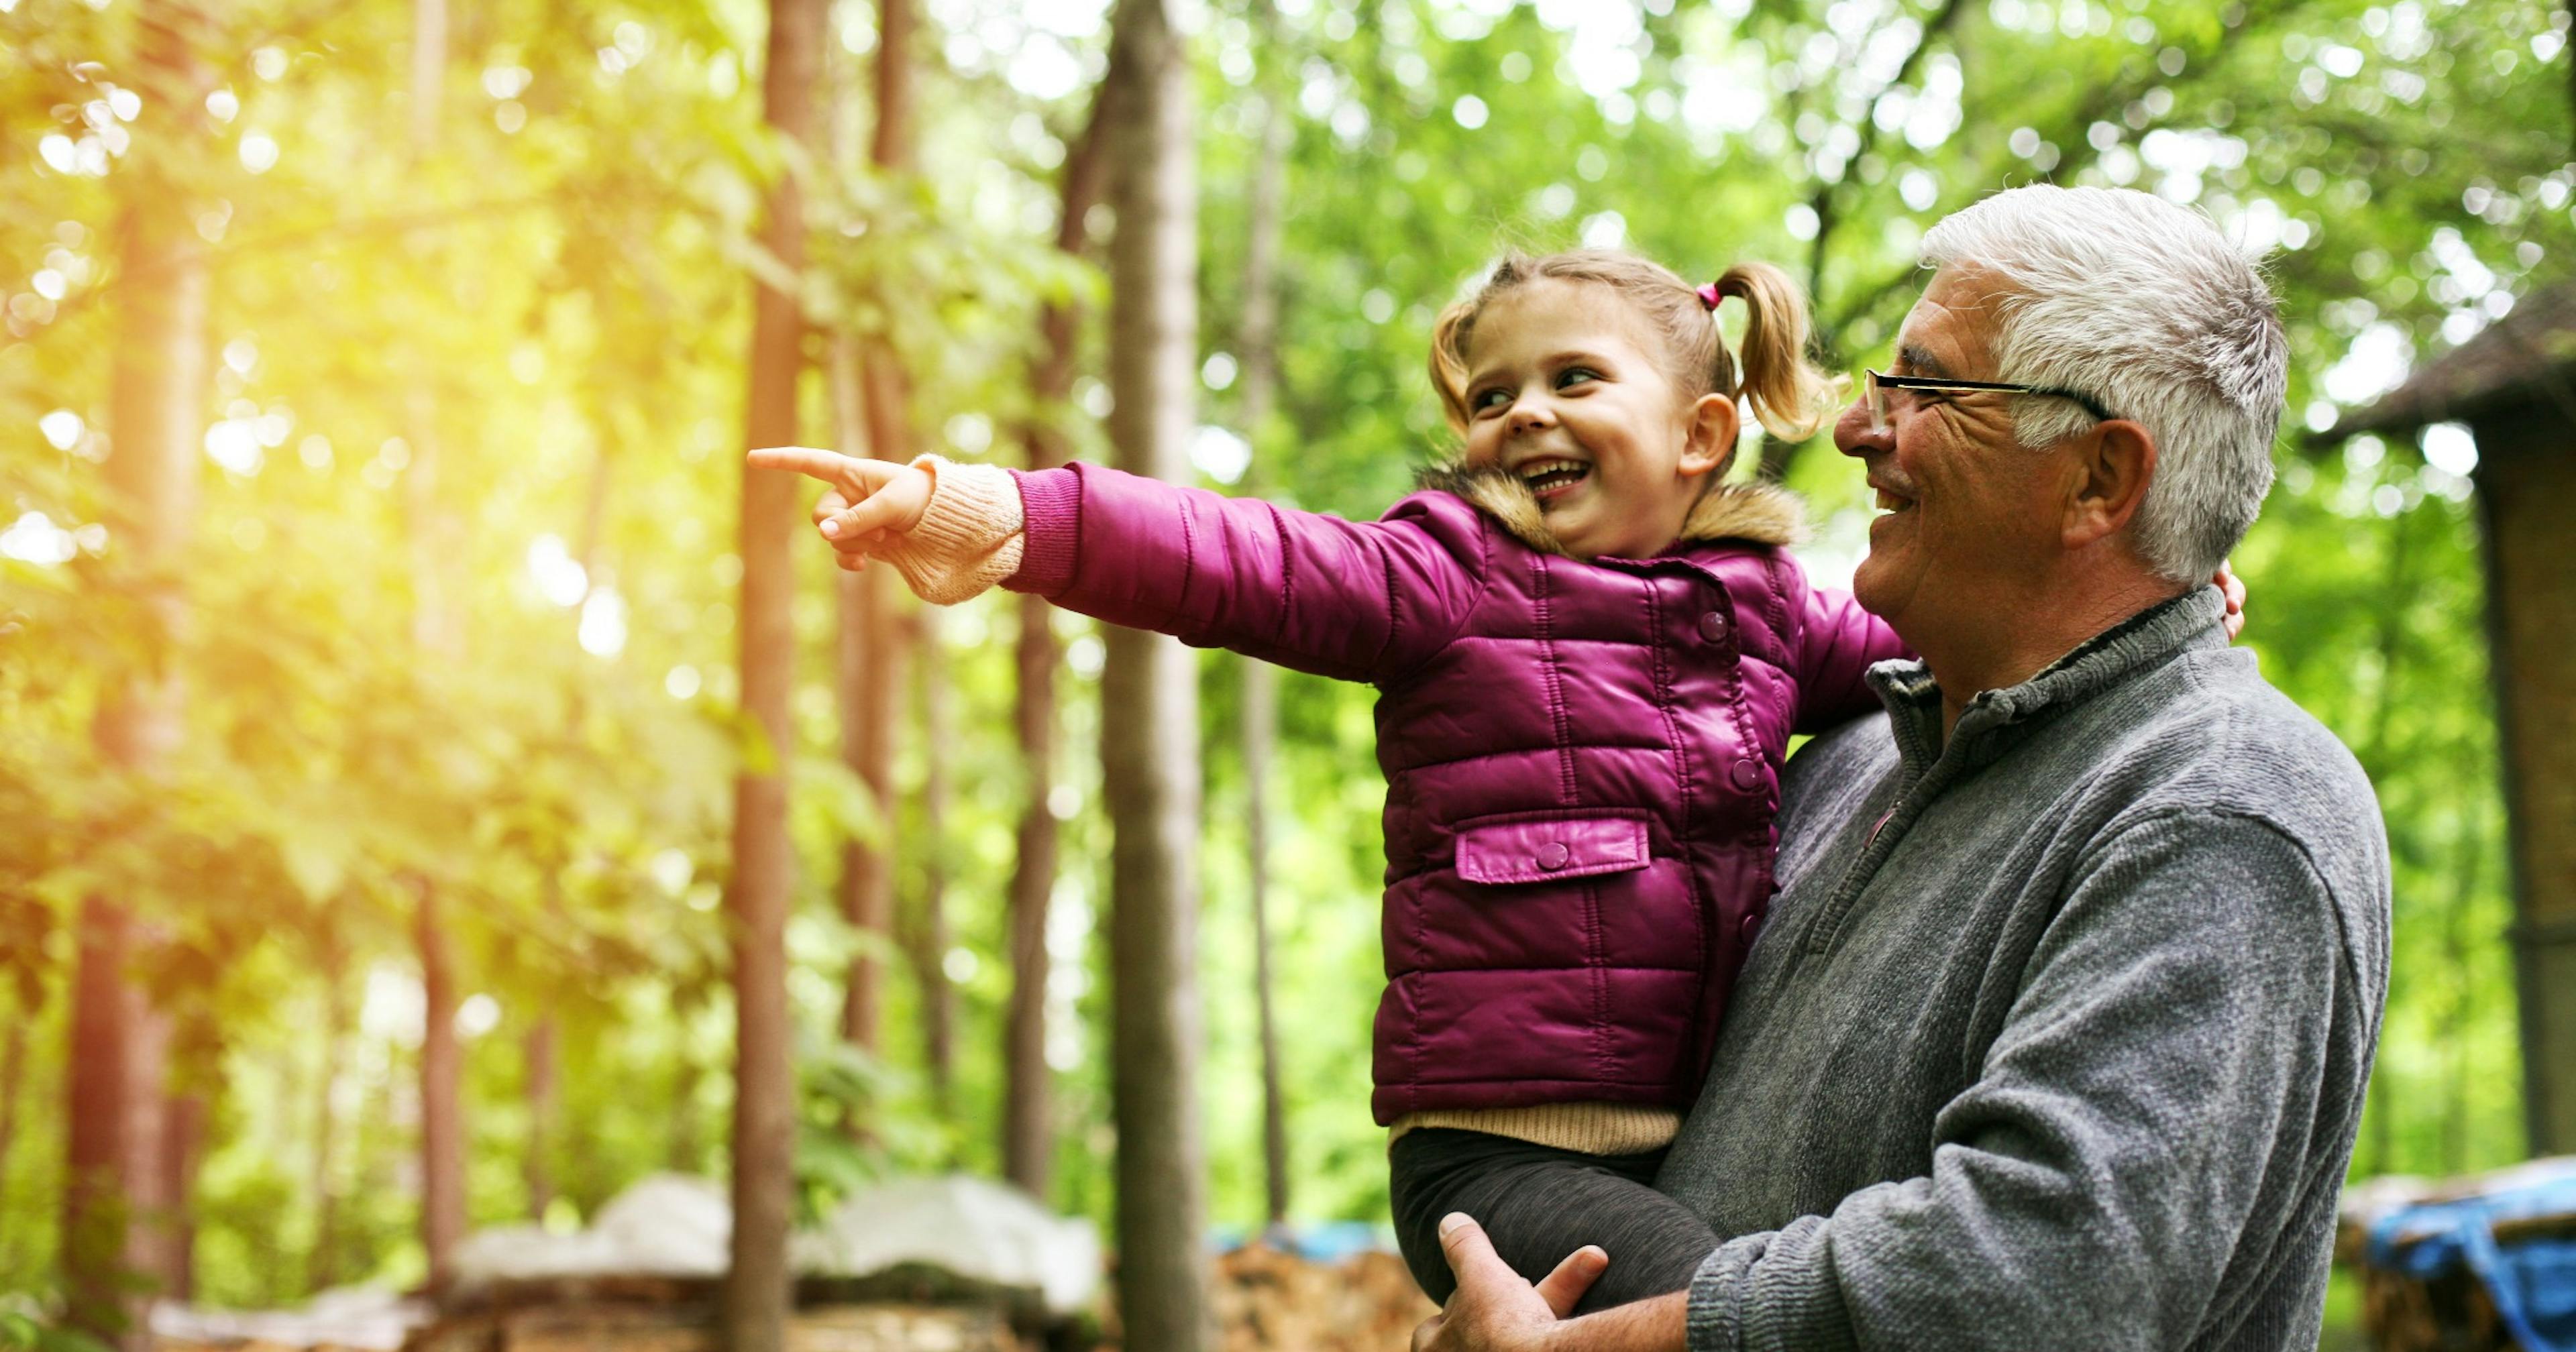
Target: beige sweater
(969,538)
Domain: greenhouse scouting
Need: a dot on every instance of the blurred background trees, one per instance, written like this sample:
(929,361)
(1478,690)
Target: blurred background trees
(374,535)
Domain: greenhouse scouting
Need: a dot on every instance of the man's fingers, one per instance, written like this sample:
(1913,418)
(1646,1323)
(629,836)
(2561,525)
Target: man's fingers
(1426,1333)
(1565,1286)
(829,466)
(1471,1255)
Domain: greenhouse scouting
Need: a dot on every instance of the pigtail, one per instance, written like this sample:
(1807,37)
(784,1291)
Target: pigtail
(1449,362)
(1782,387)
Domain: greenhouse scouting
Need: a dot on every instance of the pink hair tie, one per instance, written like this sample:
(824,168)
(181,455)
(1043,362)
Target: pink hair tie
(1709,296)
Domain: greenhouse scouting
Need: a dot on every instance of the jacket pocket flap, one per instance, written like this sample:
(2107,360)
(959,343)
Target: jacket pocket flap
(1538,850)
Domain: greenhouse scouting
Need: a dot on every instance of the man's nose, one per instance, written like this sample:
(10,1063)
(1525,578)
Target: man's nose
(1854,436)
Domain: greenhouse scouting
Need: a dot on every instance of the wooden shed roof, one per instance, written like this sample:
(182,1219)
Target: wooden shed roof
(2529,353)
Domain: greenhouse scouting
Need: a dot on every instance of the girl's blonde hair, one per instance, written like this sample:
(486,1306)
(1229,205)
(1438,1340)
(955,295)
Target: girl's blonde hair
(1779,386)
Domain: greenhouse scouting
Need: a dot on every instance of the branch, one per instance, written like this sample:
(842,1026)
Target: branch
(1823,202)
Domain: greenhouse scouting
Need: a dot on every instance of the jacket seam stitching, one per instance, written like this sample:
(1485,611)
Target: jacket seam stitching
(1543,599)
(1484,579)
(1287,569)
(1685,778)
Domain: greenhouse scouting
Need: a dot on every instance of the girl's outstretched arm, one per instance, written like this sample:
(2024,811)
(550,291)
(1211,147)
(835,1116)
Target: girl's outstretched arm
(1366,601)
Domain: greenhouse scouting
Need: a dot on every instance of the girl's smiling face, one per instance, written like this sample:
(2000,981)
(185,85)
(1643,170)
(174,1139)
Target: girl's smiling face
(1564,393)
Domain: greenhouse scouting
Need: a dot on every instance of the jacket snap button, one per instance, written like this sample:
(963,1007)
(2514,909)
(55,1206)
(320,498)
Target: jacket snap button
(1744,928)
(1712,627)
(1746,774)
(1553,855)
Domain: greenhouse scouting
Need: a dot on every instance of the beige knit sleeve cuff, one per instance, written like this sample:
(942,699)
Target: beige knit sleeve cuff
(969,536)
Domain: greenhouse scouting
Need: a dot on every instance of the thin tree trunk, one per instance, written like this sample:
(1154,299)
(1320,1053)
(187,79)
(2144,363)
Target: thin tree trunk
(437,632)
(1028,1131)
(442,1119)
(764,1116)
(537,1170)
(157,398)
(1259,349)
(322,1266)
(870,604)
(183,1129)
(1260,734)
(541,1049)
(1149,708)
(870,676)
(13,1085)
(930,932)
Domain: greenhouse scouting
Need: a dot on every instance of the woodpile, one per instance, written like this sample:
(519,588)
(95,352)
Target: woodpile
(1269,1301)
(654,1315)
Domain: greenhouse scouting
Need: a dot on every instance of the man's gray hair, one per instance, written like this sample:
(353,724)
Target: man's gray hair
(2148,310)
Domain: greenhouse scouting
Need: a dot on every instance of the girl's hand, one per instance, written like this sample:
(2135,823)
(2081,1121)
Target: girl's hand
(870,502)
(2233,587)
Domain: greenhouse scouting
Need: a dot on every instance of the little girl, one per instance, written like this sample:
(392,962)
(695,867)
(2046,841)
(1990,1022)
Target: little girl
(1590,655)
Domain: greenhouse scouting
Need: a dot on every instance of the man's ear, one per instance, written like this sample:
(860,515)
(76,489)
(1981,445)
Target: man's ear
(2114,464)
(1708,438)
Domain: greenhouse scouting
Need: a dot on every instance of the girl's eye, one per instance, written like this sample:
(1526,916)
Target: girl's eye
(1572,374)
(1492,397)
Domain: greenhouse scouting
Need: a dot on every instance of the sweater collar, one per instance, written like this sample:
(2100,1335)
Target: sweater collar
(1757,513)
(1989,725)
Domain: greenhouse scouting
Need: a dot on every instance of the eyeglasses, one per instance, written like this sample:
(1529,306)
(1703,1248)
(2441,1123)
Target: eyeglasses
(1874,388)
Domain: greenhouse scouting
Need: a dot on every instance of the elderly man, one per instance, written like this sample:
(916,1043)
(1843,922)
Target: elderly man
(2058,1029)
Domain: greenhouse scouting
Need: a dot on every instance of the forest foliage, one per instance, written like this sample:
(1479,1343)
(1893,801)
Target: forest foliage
(563,280)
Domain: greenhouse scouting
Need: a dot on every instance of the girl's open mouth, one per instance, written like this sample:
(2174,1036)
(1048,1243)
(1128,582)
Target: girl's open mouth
(1550,479)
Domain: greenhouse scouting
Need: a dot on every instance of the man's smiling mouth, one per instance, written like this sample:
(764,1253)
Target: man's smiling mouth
(1891,503)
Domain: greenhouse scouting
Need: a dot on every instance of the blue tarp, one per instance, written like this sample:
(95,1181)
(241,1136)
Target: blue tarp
(2533,1282)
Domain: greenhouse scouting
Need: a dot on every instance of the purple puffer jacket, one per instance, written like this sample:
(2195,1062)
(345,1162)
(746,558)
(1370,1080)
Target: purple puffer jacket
(1582,758)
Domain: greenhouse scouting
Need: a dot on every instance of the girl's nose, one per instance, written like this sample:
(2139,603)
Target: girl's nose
(1527,415)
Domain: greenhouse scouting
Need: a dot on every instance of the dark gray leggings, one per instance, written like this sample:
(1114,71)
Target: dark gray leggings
(1538,1204)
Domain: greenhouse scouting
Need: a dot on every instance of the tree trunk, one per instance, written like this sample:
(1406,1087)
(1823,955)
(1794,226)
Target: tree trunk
(13,1092)
(437,632)
(322,1266)
(1028,1132)
(1149,708)
(764,1114)
(1260,734)
(537,1170)
(930,928)
(1259,350)
(872,688)
(183,1129)
(157,402)
(870,675)
(442,1116)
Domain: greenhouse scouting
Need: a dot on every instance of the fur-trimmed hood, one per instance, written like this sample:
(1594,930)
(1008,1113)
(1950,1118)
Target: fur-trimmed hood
(1759,513)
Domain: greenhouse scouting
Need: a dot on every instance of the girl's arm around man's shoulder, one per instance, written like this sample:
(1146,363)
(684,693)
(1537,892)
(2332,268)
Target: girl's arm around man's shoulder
(1836,644)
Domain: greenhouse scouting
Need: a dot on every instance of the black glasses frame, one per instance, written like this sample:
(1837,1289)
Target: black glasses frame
(1878,402)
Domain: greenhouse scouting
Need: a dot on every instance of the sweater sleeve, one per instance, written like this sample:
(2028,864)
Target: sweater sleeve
(1838,642)
(1358,600)
(2147,1110)
(969,535)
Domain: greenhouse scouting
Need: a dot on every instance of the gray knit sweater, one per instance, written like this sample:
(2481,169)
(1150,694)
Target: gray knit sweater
(2057,1033)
